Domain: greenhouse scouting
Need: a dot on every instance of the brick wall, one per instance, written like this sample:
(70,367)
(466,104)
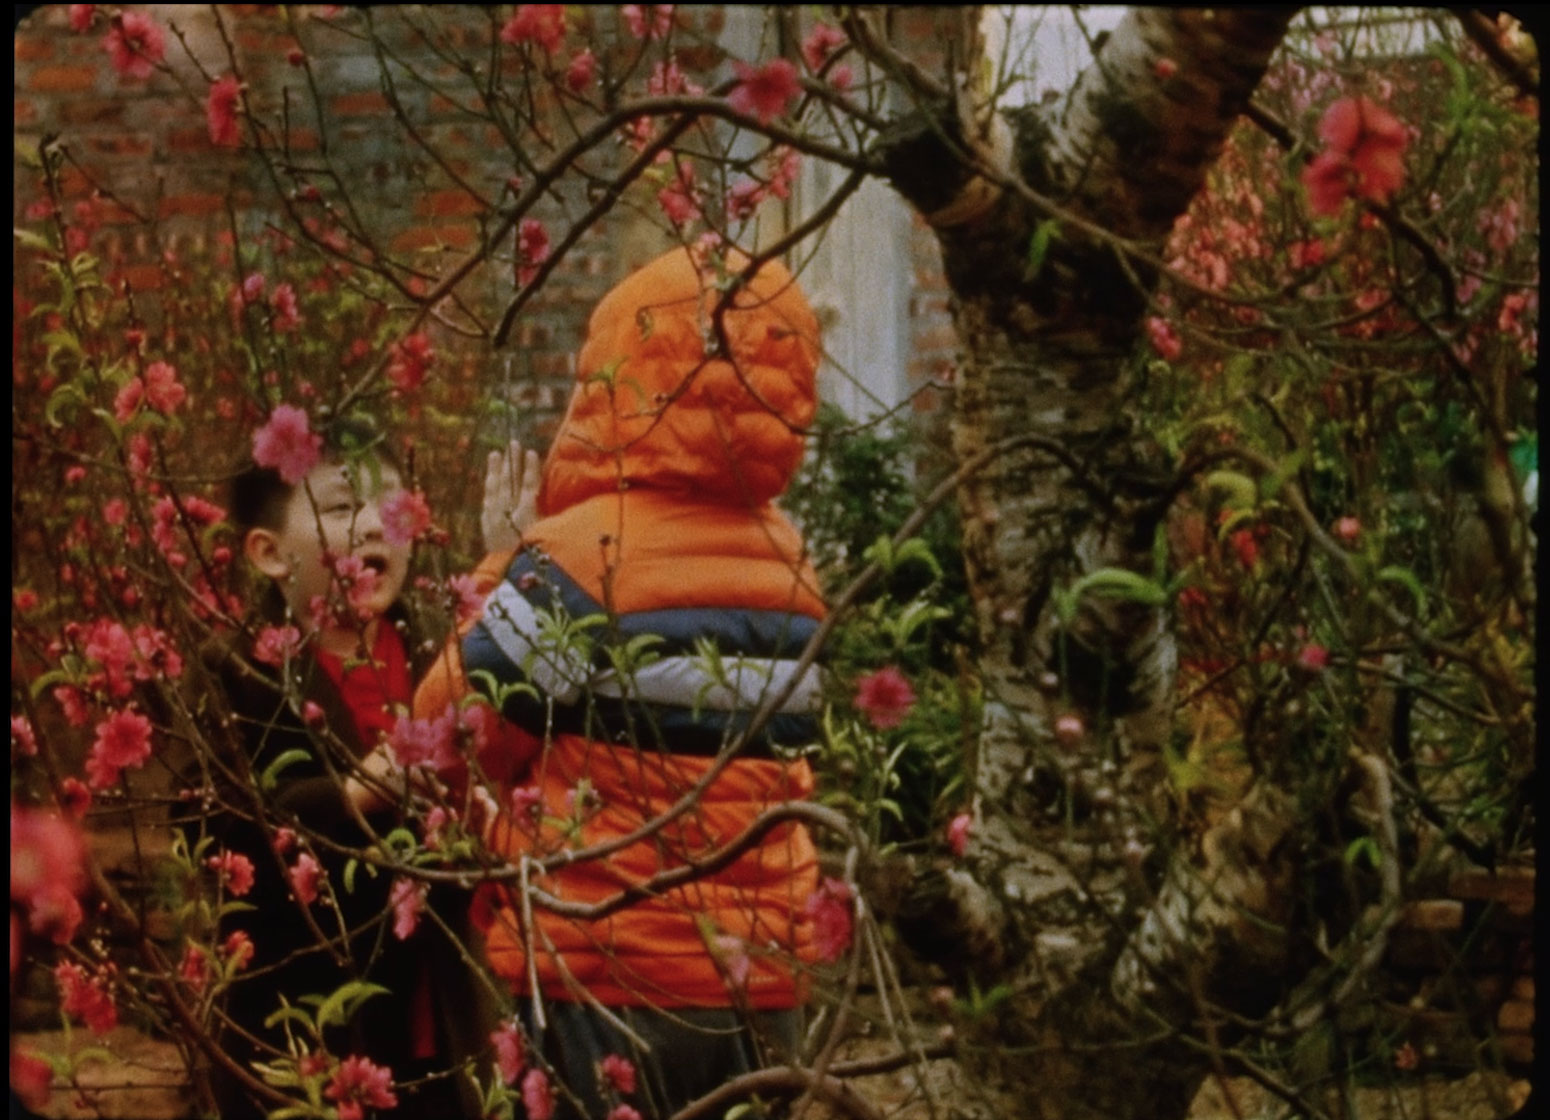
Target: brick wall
(146,143)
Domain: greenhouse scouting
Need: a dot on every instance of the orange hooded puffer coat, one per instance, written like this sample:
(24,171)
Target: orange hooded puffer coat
(656,523)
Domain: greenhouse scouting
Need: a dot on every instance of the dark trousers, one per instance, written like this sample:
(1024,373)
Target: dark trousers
(688,1052)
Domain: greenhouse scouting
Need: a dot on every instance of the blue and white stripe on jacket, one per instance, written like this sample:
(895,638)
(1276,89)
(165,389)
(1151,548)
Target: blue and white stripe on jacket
(554,661)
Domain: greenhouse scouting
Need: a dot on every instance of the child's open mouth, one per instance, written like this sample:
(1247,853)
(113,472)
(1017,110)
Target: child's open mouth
(375,563)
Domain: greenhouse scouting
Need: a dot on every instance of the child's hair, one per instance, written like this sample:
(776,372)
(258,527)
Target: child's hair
(256,496)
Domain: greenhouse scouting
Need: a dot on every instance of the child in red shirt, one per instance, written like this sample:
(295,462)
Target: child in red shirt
(341,647)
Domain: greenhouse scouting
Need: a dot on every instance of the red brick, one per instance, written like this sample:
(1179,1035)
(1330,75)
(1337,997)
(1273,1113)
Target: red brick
(29,49)
(119,144)
(140,277)
(1516,1015)
(62,79)
(189,140)
(112,214)
(72,182)
(91,111)
(431,237)
(303,139)
(1434,913)
(1517,1047)
(369,103)
(447,204)
(1513,887)
(191,204)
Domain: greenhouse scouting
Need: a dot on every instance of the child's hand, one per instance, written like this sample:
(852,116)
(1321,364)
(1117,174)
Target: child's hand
(510,497)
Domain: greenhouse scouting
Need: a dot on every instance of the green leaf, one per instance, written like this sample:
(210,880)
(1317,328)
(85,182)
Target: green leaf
(30,239)
(1271,484)
(1394,573)
(1241,491)
(271,775)
(52,677)
(1038,247)
(337,1008)
(1364,847)
(1111,583)
(68,393)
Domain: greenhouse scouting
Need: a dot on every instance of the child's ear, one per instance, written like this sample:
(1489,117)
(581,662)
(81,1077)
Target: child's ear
(262,548)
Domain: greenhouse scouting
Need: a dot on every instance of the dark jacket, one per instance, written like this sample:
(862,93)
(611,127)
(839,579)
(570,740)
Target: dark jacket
(305,794)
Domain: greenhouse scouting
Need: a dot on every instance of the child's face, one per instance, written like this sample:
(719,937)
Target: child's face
(335,513)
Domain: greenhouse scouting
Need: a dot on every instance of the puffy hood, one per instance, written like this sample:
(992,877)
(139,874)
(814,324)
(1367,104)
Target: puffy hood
(653,408)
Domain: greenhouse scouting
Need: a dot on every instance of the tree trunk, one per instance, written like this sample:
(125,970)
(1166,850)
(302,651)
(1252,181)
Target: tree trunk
(1103,973)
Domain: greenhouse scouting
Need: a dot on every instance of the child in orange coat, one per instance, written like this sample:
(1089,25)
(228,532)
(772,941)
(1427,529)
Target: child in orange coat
(659,602)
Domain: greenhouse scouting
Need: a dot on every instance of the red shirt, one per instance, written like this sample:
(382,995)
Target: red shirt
(371,689)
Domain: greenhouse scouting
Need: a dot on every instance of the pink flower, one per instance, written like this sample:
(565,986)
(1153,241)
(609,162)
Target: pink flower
(30,1074)
(411,358)
(510,1055)
(465,590)
(1069,728)
(74,797)
(623,1112)
(123,740)
(543,24)
(86,997)
(958,830)
(425,742)
(48,869)
(1164,339)
(532,249)
(1246,547)
(1312,657)
(841,76)
(884,697)
(829,907)
(408,901)
(582,68)
(784,163)
(764,92)
(134,45)
(636,16)
(194,967)
(127,400)
(1363,157)
(1306,254)
(405,515)
(287,444)
(667,78)
(237,948)
(680,199)
(221,111)
(304,876)
(1165,68)
(731,954)
(284,840)
(1348,529)
(283,301)
(81,17)
(234,869)
(162,390)
(22,737)
(537,1095)
(253,287)
(821,41)
(359,1084)
(619,1073)
(743,198)
(276,644)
